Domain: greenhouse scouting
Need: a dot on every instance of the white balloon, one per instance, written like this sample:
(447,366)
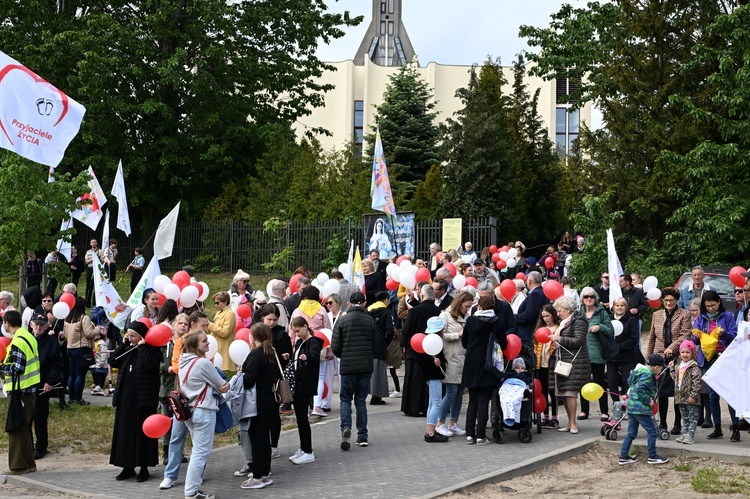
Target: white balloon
(327,332)
(60,310)
(322,278)
(512,253)
(344,268)
(504,255)
(408,280)
(218,360)
(331,286)
(617,325)
(650,283)
(432,344)
(205,293)
(391,268)
(653,294)
(188,296)
(160,282)
(172,291)
(315,283)
(511,262)
(413,270)
(404,264)
(213,347)
(396,275)
(238,351)
(459,282)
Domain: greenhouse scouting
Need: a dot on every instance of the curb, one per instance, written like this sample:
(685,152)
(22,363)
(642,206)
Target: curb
(685,452)
(37,485)
(519,469)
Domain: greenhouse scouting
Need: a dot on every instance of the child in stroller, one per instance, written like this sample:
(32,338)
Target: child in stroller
(517,400)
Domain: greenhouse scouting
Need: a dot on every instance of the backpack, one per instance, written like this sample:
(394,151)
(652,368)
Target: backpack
(179,403)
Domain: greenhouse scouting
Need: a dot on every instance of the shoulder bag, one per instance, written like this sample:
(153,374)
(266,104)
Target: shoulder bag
(15,419)
(282,391)
(564,368)
(494,358)
(178,402)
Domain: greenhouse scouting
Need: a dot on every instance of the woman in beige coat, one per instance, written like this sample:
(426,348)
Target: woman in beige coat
(222,328)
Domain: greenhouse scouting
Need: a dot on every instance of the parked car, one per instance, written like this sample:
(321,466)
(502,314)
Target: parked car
(717,279)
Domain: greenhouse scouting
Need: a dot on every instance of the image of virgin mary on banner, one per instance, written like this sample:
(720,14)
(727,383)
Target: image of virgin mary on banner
(381,235)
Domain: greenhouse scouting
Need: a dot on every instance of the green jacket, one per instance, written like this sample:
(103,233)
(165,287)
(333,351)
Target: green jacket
(599,318)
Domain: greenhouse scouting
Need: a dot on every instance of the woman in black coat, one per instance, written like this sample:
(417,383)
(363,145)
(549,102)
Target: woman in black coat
(269,315)
(628,354)
(306,362)
(136,398)
(479,329)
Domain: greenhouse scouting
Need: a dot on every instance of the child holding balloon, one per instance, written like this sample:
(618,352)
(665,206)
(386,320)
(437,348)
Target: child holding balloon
(305,362)
(431,360)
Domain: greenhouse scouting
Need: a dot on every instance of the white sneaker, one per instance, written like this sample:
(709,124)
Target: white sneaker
(443,430)
(98,391)
(319,412)
(296,455)
(168,483)
(457,429)
(305,458)
(395,395)
(275,452)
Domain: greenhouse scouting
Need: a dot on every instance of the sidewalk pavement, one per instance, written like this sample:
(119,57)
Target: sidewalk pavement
(398,463)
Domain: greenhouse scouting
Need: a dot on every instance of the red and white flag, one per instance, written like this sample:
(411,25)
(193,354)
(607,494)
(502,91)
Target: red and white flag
(91,211)
(37,120)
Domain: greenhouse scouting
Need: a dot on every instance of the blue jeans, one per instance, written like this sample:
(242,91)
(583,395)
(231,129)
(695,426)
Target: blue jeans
(77,374)
(435,389)
(358,387)
(648,424)
(452,401)
(176,447)
(201,427)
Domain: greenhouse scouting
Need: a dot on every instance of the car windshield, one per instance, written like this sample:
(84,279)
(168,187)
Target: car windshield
(719,283)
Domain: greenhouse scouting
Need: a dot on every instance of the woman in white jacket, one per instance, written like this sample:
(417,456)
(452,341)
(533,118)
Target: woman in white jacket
(198,383)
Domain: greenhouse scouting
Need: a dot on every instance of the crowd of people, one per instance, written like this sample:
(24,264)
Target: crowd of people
(363,335)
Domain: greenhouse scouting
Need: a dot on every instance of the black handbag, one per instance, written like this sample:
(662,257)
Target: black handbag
(87,357)
(609,346)
(16,419)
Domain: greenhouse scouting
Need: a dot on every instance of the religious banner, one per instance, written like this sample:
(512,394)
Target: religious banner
(107,297)
(389,240)
(90,212)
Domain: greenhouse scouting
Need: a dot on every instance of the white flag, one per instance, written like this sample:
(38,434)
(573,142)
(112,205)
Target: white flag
(614,268)
(118,191)
(90,213)
(105,231)
(106,296)
(164,240)
(37,120)
(147,281)
(349,261)
(64,247)
(732,366)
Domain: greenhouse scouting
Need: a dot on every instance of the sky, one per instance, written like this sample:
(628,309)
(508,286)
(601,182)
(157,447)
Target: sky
(444,34)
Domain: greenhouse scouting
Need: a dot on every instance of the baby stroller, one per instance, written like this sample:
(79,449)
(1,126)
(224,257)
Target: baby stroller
(528,416)
(610,428)
(664,374)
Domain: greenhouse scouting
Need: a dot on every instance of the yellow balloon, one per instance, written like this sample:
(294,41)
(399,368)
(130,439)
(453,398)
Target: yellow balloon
(592,392)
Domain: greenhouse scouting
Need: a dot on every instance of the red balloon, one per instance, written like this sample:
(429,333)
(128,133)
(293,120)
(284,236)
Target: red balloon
(501,264)
(161,301)
(198,286)
(181,278)
(242,334)
(391,285)
(159,335)
(521,276)
(451,268)
(654,304)
(540,403)
(495,257)
(156,425)
(401,259)
(323,338)
(472,281)
(552,289)
(3,351)
(416,342)
(542,335)
(5,341)
(237,326)
(514,347)
(439,255)
(549,262)
(423,274)
(508,289)
(735,275)
(244,311)
(293,282)
(146,321)
(493,249)
(504,248)
(68,299)
(325,390)
(537,387)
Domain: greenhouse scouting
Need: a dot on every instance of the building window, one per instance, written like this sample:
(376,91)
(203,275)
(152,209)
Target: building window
(390,28)
(567,127)
(390,6)
(382,7)
(382,28)
(359,120)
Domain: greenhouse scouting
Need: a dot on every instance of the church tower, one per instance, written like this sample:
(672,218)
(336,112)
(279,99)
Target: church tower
(386,42)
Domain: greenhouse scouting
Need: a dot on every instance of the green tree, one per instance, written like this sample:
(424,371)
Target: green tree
(33,209)
(427,194)
(184,92)
(406,120)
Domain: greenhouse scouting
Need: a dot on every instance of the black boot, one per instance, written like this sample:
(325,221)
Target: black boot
(165,453)
(143,475)
(717,433)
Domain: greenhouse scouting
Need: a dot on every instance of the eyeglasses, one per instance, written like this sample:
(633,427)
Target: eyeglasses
(329,303)
(48,300)
(738,291)
(605,277)
(589,297)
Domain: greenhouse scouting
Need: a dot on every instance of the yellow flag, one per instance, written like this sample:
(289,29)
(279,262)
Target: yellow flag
(358,276)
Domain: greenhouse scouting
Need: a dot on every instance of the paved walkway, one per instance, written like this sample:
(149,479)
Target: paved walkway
(398,463)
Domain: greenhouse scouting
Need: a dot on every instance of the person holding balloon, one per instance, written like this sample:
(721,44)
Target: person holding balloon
(222,327)
(570,347)
(544,349)
(431,361)
(620,366)
(600,325)
(241,293)
(80,333)
(136,398)
(180,326)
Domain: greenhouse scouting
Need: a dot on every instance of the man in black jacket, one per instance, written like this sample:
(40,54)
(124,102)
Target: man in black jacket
(353,342)
(528,312)
(50,362)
